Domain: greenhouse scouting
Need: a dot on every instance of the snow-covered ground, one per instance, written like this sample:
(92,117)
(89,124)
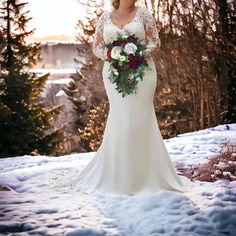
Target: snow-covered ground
(38,207)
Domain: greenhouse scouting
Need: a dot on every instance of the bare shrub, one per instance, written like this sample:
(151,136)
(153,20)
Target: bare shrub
(220,166)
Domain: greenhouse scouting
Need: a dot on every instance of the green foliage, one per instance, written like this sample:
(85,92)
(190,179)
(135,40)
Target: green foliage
(25,125)
(79,103)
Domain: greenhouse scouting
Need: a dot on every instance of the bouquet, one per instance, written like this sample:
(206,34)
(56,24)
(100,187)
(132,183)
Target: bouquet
(127,62)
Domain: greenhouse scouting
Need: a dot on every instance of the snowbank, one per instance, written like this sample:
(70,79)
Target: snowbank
(35,207)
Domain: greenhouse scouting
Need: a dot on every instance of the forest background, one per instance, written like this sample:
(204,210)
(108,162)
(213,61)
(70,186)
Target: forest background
(196,78)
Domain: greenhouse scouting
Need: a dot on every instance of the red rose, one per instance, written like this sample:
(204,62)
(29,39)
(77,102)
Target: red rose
(134,64)
(109,54)
(118,42)
(135,61)
(132,39)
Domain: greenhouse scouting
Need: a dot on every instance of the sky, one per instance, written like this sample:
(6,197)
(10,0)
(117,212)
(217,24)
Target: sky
(54,17)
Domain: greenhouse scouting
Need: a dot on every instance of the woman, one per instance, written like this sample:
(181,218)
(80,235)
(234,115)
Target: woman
(132,157)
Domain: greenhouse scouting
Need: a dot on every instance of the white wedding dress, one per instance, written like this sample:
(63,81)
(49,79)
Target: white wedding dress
(132,157)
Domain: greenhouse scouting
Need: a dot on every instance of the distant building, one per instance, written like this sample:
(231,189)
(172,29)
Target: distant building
(58,55)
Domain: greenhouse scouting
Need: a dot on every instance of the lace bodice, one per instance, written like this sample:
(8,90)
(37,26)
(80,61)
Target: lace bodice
(142,25)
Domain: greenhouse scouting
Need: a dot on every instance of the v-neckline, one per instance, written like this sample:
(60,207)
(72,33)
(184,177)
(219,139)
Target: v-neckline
(136,13)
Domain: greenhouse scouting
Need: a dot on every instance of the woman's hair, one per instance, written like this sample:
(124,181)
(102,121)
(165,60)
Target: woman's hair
(115,3)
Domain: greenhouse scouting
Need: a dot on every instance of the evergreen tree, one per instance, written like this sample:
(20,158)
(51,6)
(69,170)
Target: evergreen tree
(79,103)
(82,90)
(4,110)
(25,126)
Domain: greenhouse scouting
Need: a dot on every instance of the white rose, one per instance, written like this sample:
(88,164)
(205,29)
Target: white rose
(115,52)
(130,48)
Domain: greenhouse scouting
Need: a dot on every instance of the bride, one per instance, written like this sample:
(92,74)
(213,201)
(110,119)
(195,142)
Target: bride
(132,157)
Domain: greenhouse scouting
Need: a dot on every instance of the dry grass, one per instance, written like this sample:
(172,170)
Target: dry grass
(220,166)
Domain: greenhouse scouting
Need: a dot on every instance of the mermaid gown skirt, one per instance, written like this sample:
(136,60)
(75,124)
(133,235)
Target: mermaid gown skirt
(132,157)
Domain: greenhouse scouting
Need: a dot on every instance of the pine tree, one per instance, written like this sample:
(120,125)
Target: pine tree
(79,103)
(4,110)
(82,80)
(25,126)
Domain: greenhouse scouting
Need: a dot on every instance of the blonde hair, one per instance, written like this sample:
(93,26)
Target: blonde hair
(115,3)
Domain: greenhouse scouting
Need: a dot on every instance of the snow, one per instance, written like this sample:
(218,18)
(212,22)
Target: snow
(36,206)
(61,93)
(53,71)
(59,81)
(197,147)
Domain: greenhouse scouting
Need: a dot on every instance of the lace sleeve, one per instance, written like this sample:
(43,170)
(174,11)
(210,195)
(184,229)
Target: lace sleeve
(152,35)
(99,49)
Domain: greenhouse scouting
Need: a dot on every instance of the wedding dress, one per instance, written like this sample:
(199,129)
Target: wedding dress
(132,157)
